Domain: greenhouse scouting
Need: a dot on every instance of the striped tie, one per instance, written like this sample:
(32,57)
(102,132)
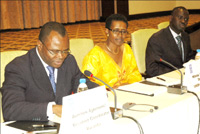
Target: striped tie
(180,47)
(52,78)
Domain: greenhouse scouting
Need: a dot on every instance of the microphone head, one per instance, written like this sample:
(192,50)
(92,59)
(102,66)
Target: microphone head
(158,59)
(88,73)
(155,107)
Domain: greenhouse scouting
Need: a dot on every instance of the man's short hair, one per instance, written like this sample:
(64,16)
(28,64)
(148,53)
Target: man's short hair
(116,17)
(176,8)
(51,26)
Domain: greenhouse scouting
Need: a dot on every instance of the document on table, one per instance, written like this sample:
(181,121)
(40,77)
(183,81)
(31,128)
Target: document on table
(164,80)
(143,89)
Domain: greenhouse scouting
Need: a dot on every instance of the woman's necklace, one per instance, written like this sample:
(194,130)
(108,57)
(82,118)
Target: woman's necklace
(112,51)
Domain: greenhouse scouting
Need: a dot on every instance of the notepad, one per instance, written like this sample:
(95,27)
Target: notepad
(28,126)
(143,89)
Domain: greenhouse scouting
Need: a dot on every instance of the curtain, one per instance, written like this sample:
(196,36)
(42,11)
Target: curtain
(22,14)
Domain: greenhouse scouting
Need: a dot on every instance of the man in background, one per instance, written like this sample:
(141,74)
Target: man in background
(171,44)
(36,82)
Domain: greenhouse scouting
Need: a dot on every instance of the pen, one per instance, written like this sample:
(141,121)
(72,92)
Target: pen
(42,126)
(160,78)
(151,94)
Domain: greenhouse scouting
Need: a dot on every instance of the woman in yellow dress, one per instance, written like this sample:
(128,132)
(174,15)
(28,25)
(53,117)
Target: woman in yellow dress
(113,62)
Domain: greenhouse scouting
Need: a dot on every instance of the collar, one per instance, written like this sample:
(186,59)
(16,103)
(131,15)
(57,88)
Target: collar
(45,66)
(174,34)
(43,63)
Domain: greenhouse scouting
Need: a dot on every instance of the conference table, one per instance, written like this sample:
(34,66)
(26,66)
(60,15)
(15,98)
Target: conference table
(176,114)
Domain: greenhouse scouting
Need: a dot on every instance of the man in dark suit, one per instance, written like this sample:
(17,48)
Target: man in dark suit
(166,45)
(28,93)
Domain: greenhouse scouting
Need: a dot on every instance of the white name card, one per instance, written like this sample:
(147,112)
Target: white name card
(192,75)
(86,112)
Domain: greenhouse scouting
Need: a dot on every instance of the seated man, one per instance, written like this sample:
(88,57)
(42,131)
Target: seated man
(36,82)
(171,44)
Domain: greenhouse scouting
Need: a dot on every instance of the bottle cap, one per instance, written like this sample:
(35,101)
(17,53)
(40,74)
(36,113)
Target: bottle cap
(198,50)
(82,80)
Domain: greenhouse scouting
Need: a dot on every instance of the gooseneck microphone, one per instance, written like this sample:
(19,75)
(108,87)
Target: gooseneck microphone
(117,112)
(164,61)
(175,89)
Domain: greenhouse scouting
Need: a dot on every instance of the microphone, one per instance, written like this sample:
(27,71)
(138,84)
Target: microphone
(116,113)
(129,105)
(175,89)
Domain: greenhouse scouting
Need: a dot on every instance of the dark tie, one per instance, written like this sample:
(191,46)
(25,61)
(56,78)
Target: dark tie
(52,78)
(180,47)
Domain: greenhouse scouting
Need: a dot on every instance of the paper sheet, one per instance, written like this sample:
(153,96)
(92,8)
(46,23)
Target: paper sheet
(164,80)
(86,112)
(143,89)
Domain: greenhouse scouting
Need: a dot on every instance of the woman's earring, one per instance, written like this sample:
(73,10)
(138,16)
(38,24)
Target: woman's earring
(107,35)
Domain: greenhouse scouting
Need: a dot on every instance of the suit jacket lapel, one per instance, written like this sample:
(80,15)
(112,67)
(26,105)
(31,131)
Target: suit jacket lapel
(60,80)
(63,86)
(38,72)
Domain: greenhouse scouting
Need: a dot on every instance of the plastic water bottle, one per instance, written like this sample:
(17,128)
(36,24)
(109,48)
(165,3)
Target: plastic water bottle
(197,57)
(82,86)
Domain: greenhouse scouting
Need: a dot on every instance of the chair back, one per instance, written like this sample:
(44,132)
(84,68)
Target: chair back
(2,120)
(80,48)
(163,25)
(139,40)
(6,57)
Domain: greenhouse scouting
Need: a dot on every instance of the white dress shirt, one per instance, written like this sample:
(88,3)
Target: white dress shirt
(50,114)
(174,36)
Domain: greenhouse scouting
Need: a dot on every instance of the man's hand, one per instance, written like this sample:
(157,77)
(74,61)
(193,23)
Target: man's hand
(57,109)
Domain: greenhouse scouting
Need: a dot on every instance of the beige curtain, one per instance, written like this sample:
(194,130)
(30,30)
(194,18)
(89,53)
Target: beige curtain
(22,14)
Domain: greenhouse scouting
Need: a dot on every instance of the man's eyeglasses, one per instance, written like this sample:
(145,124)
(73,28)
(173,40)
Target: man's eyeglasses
(55,52)
(117,31)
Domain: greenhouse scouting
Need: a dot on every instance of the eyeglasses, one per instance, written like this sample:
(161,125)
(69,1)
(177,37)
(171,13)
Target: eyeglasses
(182,17)
(117,31)
(55,52)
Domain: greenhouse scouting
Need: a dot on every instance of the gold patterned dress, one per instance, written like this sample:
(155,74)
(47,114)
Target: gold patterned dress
(104,67)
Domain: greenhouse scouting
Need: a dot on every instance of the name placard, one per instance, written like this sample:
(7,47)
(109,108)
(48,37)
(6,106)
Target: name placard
(86,112)
(192,75)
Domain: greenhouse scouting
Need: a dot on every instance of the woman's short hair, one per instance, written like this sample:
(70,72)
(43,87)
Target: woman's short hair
(116,17)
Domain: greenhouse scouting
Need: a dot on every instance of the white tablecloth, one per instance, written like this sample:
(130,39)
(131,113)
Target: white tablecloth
(177,114)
